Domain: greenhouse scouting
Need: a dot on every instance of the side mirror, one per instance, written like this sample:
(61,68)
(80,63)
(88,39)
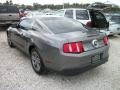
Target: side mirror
(18,26)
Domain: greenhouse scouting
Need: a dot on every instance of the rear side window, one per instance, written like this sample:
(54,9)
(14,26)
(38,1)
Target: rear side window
(69,13)
(26,24)
(13,9)
(3,9)
(115,19)
(82,15)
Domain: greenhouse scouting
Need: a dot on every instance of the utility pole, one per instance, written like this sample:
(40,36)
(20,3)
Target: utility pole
(63,4)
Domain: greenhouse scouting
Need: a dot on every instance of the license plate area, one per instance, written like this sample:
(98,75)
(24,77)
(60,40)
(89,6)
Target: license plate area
(96,58)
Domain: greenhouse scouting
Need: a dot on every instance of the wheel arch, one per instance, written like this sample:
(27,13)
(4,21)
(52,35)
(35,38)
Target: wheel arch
(30,48)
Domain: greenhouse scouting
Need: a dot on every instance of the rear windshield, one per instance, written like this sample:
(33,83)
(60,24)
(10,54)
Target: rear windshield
(62,25)
(115,19)
(3,9)
(82,15)
(9,9)
(13,9)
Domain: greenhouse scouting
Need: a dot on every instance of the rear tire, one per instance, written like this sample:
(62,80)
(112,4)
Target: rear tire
(9,41)
(36,62)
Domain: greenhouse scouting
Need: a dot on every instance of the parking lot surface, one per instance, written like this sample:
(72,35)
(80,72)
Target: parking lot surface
(16,72)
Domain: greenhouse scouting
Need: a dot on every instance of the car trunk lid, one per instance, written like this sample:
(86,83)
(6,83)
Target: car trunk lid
(88,39)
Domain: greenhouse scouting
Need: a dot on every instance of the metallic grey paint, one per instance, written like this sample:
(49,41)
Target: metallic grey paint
(50,47)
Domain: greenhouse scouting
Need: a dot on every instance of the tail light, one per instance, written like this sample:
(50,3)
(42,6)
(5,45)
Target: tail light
(76,47)
(105,39)
(89,24)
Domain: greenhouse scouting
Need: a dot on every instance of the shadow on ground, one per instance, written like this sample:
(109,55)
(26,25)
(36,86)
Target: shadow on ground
(114,36)
(3,28)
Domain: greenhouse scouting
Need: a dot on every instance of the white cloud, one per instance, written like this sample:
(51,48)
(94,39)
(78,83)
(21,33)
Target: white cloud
(59,1)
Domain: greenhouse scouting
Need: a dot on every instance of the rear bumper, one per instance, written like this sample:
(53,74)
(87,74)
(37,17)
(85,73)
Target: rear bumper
(83,68)
(66,63)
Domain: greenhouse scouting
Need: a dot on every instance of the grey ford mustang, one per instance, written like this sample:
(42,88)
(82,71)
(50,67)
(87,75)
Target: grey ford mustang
(59,43)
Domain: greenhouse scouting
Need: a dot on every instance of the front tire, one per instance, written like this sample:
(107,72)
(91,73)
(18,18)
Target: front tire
(9,41)
(36,62)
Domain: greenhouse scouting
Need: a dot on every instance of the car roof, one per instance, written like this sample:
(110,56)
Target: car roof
(74,9)
(40,16)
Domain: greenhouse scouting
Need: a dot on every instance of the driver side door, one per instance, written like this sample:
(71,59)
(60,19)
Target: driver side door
(22,35)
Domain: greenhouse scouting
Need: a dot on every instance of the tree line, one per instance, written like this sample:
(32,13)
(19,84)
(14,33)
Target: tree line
(37,6)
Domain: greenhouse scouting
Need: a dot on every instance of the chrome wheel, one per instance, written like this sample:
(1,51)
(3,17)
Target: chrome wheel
(36,61)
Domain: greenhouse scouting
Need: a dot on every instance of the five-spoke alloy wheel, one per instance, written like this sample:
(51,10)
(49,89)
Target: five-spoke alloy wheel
(36,61)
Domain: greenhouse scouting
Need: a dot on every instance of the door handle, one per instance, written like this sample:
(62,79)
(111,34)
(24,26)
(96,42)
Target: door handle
(10,15)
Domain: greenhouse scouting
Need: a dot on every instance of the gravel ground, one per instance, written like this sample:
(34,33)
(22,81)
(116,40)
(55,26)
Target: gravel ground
(16,72)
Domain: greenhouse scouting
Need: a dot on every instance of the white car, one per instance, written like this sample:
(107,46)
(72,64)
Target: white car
(91,18)
(81,15)
(114,25)
(37,13)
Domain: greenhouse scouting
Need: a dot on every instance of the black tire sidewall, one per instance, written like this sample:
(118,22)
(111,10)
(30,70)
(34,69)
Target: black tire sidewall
(10,44)
(42,68)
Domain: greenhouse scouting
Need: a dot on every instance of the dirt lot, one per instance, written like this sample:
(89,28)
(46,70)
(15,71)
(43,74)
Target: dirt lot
(16,72)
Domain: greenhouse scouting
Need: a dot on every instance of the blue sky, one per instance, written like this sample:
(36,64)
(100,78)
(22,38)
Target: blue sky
(30,2)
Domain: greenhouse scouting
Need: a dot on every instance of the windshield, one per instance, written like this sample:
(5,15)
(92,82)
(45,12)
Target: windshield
(62,25)
(115,19)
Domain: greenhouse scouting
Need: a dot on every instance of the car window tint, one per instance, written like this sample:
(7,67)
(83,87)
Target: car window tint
(26,24)
(62,25)
(3,9)
(115,19)
(69,13)
(13,9)
(99,16)
(82,14)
